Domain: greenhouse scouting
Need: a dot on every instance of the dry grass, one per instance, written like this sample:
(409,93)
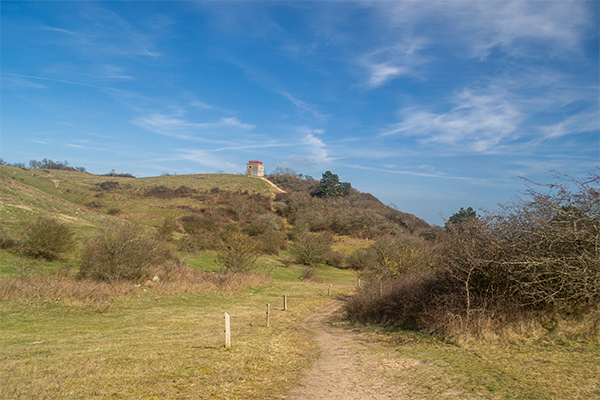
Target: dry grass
(176,279)
(428,368)
(171,347)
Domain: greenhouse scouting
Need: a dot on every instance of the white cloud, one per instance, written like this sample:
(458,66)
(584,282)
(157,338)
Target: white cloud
(586,121)
(176,126)
(317,150)
(310,108)
(389,62)
(479,121)
(209,160)
(515,27)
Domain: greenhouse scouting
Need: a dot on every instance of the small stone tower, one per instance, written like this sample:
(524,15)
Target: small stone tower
(255,168)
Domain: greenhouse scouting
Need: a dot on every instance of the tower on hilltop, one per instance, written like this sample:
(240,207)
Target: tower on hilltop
(255,168)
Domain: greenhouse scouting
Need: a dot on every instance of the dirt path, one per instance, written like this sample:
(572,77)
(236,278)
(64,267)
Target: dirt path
(276,189)
(346,369)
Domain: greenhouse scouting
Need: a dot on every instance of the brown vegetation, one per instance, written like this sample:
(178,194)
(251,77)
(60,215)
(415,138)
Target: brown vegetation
(123,252)
(536,258)
(174,278)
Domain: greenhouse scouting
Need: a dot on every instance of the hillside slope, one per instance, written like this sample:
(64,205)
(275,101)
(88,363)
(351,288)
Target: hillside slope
(76,196)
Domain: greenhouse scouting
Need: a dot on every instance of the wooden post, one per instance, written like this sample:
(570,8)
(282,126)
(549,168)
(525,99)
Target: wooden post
(358,283)
(227,331)
(268,315)
(329,291)
(284,302)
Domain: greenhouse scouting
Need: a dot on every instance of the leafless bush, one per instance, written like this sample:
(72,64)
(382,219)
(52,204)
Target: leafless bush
(391,257)
(47,238)
(199,241)
(9,240)
(409,302)
(263,223)
(311,248)
(123,252)
(309,273)
(237,253)
(537,257)
(542,251)
(271,242)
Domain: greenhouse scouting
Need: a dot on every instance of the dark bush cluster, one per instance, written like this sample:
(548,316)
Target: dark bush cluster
(359,215)
(49,164)
(540,254)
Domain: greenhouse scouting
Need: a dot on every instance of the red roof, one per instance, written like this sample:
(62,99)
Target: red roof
(254,162)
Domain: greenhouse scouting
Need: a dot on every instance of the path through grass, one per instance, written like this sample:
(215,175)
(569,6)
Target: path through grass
(159,348)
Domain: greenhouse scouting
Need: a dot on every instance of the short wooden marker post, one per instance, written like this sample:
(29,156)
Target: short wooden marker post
(227,331)
(268,315)
(284,302)
(329,291)
(358,283)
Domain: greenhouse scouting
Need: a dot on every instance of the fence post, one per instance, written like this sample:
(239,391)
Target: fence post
(284,302)
(268,315)
(227,331)
(329,291)
(358,283)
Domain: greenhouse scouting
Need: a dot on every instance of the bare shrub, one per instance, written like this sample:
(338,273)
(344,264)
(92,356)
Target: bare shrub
(309,274)
(311,248)
(199,241)
(390,257)
(109,185)
(536,258)
(9,240)
(539,252)
(47,238)
(263,223)
(409,302)
(123,252)
(271,242)
(359,259)
(335,259)
(237,253)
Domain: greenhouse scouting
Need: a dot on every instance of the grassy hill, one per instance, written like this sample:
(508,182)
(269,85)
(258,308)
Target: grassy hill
(91,195)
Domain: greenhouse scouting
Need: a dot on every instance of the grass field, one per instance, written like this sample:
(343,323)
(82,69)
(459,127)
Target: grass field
(160,347)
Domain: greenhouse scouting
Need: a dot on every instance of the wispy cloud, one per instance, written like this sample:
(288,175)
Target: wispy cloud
(309,108)
(41,78)
(433,175)
(479,121)
(176,125)
(514,27)
(586,121)
(311,151)
(207,159)
(391,62)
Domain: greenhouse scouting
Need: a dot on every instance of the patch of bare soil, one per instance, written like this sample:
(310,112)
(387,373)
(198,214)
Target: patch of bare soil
(346,369)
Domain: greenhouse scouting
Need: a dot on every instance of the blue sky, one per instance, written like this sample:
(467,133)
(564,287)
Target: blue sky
(429,105)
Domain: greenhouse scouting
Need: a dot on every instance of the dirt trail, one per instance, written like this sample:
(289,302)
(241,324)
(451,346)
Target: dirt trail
(346,369)
(276,189)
